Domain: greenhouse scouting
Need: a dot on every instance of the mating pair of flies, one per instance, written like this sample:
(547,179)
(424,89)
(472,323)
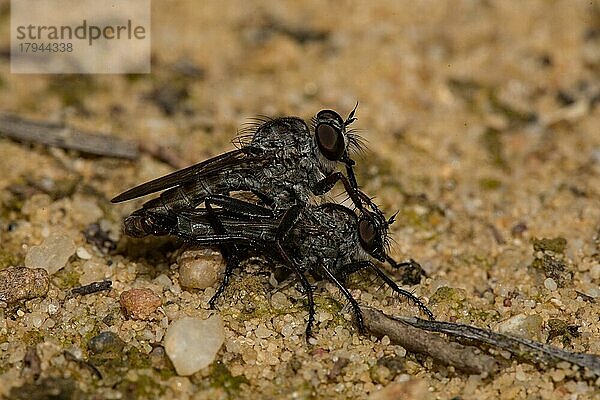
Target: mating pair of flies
(284,166)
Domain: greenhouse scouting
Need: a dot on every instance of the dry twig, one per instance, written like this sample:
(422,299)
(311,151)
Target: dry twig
(526,349)
(58,135)
(464,358)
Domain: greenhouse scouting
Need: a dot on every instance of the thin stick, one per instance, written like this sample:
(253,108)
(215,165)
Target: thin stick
(58,135)
(526,349)
(464,358)
(92,288)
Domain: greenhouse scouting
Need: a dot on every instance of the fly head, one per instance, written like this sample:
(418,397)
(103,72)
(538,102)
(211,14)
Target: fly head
(372,233)
(333,139)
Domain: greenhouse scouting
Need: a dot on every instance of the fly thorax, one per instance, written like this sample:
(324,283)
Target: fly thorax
(326,166)
(360,253)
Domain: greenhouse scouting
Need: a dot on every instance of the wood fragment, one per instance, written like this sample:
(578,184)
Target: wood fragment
(467,359)
(92,288)
(522,348)
(58,135)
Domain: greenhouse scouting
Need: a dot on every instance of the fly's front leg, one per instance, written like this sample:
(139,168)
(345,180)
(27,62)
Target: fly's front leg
(351,176)
(389,281)
(327,183)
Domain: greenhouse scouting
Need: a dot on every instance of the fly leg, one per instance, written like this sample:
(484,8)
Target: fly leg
(402,292)
(355,307)
(288,221)
(327,183)
(230,252)
(237,206)
(351,176)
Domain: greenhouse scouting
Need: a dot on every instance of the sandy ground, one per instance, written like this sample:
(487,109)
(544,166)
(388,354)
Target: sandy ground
(482,121)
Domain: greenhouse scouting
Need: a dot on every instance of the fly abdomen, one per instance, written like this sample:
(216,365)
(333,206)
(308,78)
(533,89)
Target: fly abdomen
(143,223)
(172,200)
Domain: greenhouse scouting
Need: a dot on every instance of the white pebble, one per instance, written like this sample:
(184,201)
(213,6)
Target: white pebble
(193,343)
(164,281)
(262,332)
(527,326)
(52,254)
(529,303)
(520,375)
(400,351)
(287,330)
(550,284)
(83,253)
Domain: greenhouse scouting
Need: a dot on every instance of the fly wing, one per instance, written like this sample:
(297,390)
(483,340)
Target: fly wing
(232,160)
(197,223)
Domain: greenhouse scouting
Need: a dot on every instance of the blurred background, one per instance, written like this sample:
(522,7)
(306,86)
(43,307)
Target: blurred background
(482,121)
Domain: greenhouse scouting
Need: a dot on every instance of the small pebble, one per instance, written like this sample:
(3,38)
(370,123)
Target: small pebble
(262,332)
(193,343)
(550,284)
(93,271)
(19,283)
(139,303)
(557,375)
(163,281)
(526,326)
(595,271)
(107,344)
(280,301)
(52,254)
(520,374)
(83,253)
(200,269)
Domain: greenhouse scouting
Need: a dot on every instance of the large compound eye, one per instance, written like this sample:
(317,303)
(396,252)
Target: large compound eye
(330,141)
(367,235)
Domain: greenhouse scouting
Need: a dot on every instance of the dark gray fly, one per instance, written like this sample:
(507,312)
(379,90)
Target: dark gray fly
(282,162)
(327,241)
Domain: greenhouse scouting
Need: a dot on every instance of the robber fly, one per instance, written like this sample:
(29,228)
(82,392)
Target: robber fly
(327,241)
(281,161)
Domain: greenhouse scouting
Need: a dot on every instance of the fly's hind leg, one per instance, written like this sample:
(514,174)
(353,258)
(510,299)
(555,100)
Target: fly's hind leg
(287,223)
(230,252)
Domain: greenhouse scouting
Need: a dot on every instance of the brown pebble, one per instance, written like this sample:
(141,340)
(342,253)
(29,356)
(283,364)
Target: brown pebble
(20,283)
(139,303)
